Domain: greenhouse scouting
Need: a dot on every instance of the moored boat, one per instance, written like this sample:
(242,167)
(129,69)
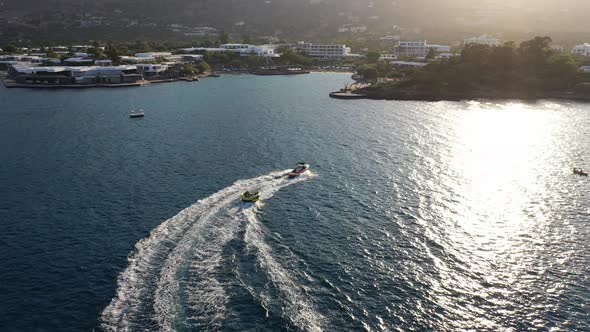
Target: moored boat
(136,113)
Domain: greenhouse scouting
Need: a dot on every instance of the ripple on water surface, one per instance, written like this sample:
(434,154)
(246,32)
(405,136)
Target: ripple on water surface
(424,216)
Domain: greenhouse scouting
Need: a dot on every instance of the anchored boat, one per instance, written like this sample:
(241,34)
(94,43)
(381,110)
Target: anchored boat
(136,113)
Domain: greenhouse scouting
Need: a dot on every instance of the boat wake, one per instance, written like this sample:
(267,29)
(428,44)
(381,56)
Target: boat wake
(173,279)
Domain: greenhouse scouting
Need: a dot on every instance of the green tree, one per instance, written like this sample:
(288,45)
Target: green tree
(368,71)
(203,67)
(431,54)
(112,53)
(12,49)
(373,57)
(224,37)
(51,54)
(141,46)
(536,52)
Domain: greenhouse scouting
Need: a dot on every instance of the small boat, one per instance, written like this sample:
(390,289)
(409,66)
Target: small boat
(136,113)
(213,75)
(580,172)
(249,197)
(298,170)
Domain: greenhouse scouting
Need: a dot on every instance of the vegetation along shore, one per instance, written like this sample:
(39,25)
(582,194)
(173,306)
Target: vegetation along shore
(529,71)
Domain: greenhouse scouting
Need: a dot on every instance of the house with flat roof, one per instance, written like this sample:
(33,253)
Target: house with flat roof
(325,51)
(74,75)
(582,49)
(419,48)
(482,40)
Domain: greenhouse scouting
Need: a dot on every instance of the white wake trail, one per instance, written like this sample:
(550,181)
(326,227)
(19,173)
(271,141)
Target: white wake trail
(202,248)
(152,263)
(299,310)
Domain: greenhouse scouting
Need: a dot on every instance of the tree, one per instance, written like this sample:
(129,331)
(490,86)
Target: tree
(373,57)
(246,39)
(203,67)
(160,59)
(224,37)
(536,52)
(431,54)
(52,55)
(112,53)
(11,48)
(368,71)
(141,47)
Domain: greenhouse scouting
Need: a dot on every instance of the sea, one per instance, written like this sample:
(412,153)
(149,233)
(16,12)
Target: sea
(415,216)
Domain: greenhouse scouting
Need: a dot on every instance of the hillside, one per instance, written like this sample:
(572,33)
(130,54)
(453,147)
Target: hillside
(316,19)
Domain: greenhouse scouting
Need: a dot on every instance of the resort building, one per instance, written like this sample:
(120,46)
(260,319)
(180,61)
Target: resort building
(149,70)
(151,57)
(482,40)
(583,49)
(323,51)
(74,75)
(103,63)
(78,61)
(241,49)
(246,49)
(419,48)
(387,57)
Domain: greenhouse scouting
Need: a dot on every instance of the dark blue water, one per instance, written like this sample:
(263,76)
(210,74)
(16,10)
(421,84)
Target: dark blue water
(416,216)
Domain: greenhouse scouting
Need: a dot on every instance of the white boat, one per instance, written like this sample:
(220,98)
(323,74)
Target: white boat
(136,113)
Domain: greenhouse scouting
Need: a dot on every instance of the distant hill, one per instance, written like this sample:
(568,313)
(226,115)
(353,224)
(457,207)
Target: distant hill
(315,19)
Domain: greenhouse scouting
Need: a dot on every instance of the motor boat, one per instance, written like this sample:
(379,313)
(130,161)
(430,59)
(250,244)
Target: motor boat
(250,197)
(580,172)
(298,170)
(136,113)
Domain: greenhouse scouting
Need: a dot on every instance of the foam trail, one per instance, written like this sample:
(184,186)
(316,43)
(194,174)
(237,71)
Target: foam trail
(133,305)
(204,242)
(298,310)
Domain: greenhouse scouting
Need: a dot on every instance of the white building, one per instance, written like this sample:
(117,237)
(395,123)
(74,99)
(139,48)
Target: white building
(387,57)
(151,69)
(582,49)
(419,48)
(352,28)
(76,75)
(151,57)
(78,61)
(324,51)
(241,49)
(247,49)
(482,40)
(584,69)
(408,64)
(103,63)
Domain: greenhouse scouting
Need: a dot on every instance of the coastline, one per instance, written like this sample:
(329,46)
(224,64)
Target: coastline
(434,97)
(11,84)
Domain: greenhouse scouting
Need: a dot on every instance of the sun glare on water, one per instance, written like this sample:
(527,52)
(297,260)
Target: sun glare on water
(504,168)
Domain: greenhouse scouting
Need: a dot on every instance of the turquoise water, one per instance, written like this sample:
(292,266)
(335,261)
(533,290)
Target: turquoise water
(424,216)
